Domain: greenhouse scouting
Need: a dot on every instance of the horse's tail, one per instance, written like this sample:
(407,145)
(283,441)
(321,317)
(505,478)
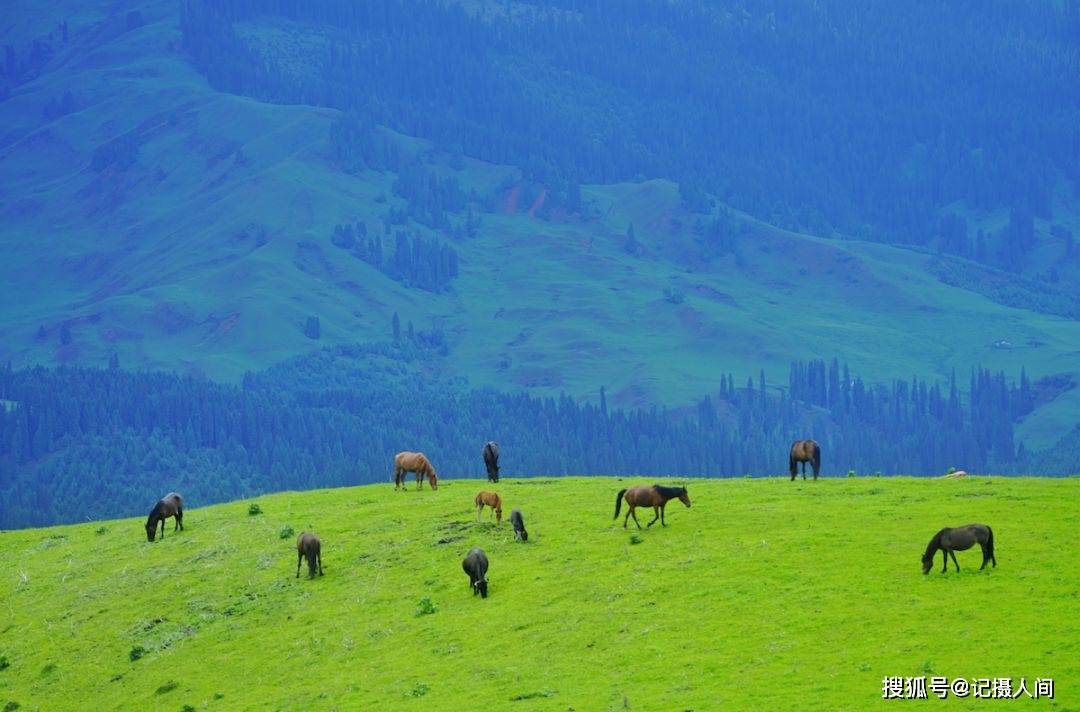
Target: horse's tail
(618,503)
(792,466)
(990,542)
(816,464)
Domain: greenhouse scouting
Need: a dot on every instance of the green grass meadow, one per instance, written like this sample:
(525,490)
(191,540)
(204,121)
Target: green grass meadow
(766,594)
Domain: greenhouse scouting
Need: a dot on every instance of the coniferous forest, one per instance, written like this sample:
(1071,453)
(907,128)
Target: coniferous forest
(800,123)
(950,130)
(96,443)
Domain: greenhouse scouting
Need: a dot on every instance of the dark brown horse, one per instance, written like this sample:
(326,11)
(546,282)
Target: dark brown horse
(804,451)
(653,496)
(414,462)
(476,566)
(959,539)
(491,461)
(171,505)
(519,526)
(309,546)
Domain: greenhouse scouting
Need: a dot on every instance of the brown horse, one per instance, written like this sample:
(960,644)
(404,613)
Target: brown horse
(645,496)
(171,505)
(309,546)
(414,462)
(959,539)
(804,451)
(490,499)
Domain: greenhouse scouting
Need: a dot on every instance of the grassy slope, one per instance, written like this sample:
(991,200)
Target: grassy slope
(151,262)
(765,593)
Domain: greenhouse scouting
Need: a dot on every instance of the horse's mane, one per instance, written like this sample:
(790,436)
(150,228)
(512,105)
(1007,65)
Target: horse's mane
(669,491)
(935,543)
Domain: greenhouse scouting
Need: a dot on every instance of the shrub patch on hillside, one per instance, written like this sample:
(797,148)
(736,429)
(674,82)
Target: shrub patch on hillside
(166,687)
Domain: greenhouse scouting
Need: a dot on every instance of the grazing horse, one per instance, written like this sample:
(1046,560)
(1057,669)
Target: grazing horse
(476,566)
(491,499)
(519,526)
(308,545)
(491,460)
(959,539)
(414,462)
(804,451)
(645,496)
(171,505)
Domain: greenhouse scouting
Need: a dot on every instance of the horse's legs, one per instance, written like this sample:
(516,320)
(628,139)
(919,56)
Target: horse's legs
(479,509)
(985,557)
(953,555)
(663,522)
(945,555)
(656,511)
(299,558)
(626,519)
(635,516)
(163,527)
(320,562)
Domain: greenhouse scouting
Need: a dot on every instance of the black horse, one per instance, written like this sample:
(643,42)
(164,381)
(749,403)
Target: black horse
(962,538)
(308,546)
(491,460)
(476,566)
(519,526)
(171,505)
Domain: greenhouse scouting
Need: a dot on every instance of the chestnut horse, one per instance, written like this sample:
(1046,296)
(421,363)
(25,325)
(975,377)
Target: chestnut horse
(414,462)
(490,499)
(959,539)
(645,496)
(804,451)
(171,505)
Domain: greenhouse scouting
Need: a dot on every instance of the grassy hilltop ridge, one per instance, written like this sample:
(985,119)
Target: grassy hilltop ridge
(764,594)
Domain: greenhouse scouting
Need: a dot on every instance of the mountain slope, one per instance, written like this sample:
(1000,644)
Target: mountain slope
(185,228)
(764,593)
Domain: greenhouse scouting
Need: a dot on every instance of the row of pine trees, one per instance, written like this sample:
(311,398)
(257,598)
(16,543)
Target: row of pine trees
(78,443)
(423,262)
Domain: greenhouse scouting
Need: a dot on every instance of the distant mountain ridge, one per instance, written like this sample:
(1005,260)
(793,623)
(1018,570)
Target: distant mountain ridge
(150,219)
